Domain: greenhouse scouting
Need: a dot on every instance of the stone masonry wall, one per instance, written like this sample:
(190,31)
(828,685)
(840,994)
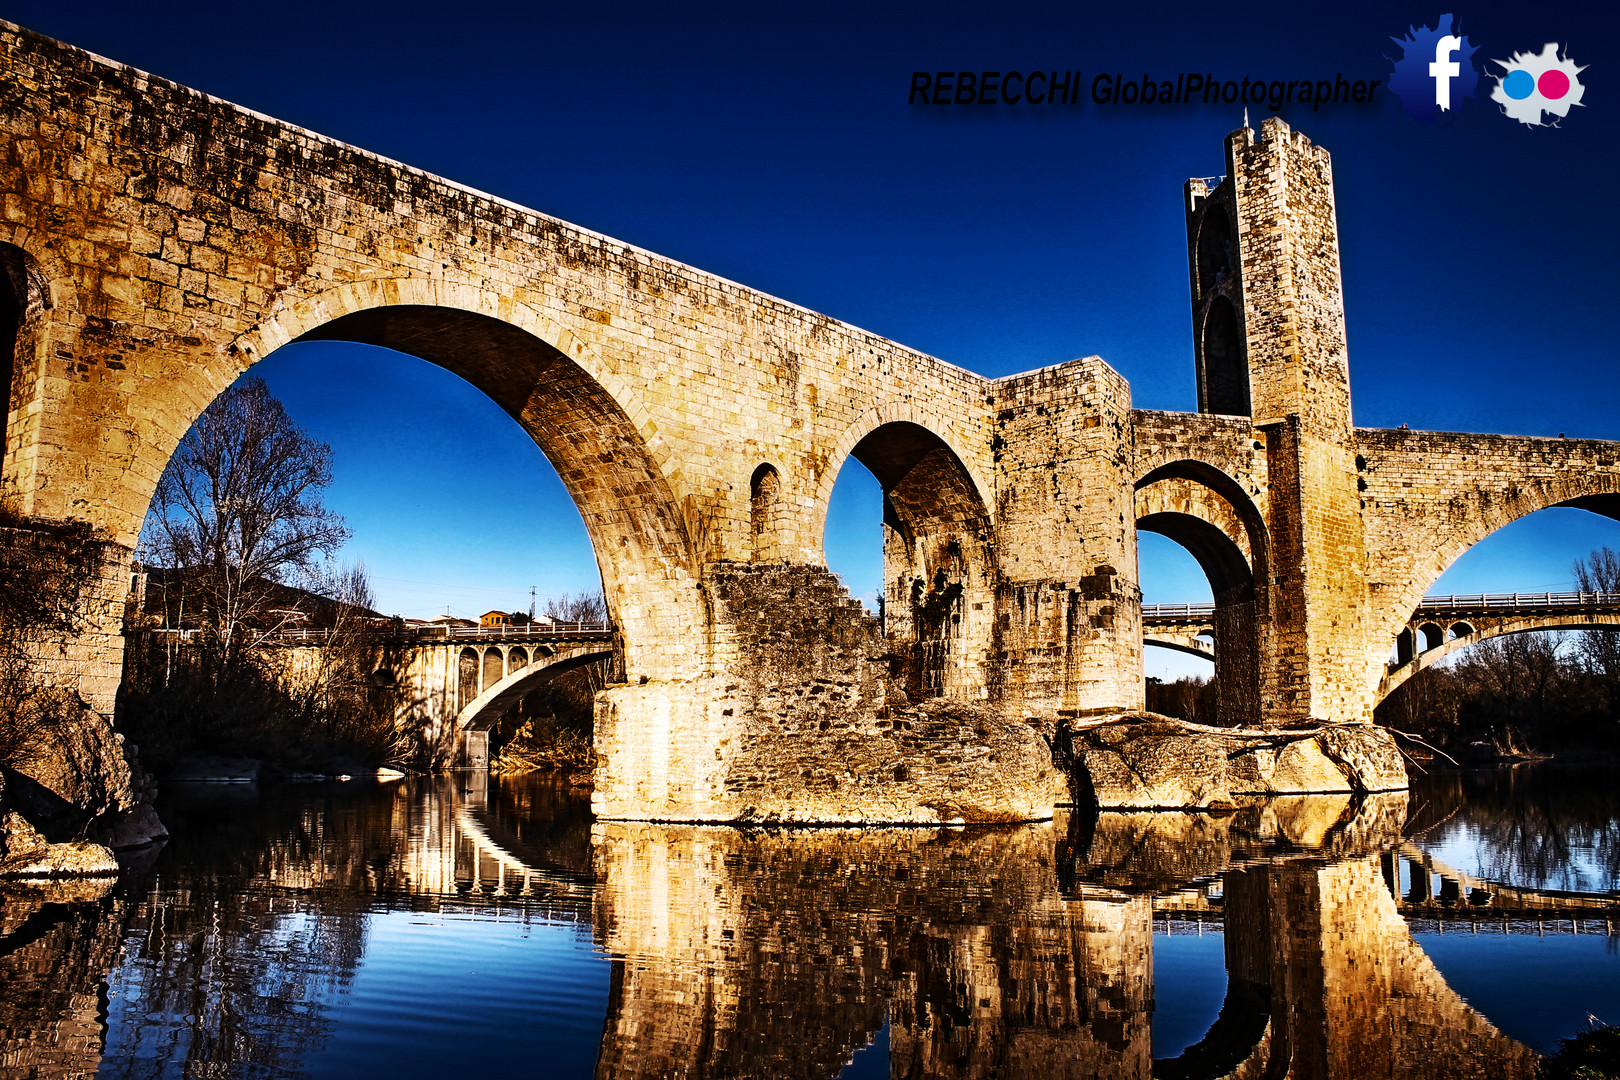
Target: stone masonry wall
(1068,610)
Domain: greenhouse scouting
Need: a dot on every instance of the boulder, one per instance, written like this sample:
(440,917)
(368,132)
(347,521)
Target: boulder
(1148,761)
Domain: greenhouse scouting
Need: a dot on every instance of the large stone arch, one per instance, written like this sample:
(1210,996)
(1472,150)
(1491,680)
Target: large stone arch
(589,424)
(1208,513)
(939,559)
(878,416)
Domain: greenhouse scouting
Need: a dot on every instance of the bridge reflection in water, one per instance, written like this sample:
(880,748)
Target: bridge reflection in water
(1019,951)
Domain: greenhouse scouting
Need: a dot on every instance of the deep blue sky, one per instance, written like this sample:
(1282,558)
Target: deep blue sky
(772,144)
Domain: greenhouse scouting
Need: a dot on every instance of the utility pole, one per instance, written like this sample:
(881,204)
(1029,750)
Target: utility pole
(531,603)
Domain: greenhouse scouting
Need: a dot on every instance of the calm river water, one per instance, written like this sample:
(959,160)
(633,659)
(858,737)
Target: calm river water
(464,926)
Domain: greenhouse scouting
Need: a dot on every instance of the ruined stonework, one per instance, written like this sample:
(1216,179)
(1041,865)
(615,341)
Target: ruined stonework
(157,243)
(805,718)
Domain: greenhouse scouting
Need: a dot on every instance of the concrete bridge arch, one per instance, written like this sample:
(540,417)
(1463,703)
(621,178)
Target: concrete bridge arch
(546,663)
(1460,634)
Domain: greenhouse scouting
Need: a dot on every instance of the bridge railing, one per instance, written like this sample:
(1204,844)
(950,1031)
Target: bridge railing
(1469,601)
(384,632)
(1177,611)
(1520,600)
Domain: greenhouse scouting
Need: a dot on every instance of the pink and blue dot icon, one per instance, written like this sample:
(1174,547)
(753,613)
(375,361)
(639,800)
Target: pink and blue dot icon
(1538,89)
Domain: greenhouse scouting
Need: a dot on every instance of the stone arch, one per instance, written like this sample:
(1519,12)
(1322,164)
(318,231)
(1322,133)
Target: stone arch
(1459,629)
(516,657)
(765,513)
(26,295)
(587,421)
(1225,369)
(467,664)
(880,416)
(1208,513)
(939,569)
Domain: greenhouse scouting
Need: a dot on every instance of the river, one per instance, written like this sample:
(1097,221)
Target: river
(465,925)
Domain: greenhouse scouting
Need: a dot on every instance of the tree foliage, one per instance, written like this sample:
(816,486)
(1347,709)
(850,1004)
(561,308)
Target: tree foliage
(239,508)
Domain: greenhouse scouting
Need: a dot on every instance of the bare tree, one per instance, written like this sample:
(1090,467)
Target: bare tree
(577,608)
(1599,650)
(239,509)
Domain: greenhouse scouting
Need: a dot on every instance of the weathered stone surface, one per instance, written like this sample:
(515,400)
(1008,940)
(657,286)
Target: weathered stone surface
(1165,763)
(1162,850)
(76,858)
(805,725)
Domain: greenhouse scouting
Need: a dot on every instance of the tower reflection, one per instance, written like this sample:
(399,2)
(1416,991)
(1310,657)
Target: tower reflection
(1023,952)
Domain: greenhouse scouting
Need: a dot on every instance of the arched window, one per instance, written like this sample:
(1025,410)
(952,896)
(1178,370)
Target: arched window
(22,297)
(1214,249)
(765,513)
(1224,372)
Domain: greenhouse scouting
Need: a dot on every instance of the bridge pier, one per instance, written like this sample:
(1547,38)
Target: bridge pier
(803,715)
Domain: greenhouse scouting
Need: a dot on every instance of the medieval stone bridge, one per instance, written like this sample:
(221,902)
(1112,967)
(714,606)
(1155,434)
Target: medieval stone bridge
(158,243)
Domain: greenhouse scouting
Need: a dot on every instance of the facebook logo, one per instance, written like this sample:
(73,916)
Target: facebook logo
(1444,69)
(1435,72)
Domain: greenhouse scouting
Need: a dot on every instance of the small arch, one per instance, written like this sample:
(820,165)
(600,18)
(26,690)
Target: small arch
(23,299)
(1460,630)
(517,658)
(765,513)
(494,669)
(1433,636)
(1404,650)
(466,677)
(1223,370)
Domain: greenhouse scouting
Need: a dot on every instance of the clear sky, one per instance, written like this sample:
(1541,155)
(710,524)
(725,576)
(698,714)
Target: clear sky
(773,144)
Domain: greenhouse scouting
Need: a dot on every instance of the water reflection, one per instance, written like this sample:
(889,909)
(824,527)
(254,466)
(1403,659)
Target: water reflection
(314,931)
(1022,953)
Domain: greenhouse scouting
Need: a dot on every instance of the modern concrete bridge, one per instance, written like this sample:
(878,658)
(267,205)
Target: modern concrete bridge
(1441,625)
(158,242)
(455,683)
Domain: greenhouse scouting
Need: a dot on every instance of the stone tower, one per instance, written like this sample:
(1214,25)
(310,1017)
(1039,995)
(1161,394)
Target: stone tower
(1269,339)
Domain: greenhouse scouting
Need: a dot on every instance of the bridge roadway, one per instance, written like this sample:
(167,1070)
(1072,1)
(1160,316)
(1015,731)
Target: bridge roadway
(1440,626)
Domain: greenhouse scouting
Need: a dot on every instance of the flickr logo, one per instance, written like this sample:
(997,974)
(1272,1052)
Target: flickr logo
(1537,83)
